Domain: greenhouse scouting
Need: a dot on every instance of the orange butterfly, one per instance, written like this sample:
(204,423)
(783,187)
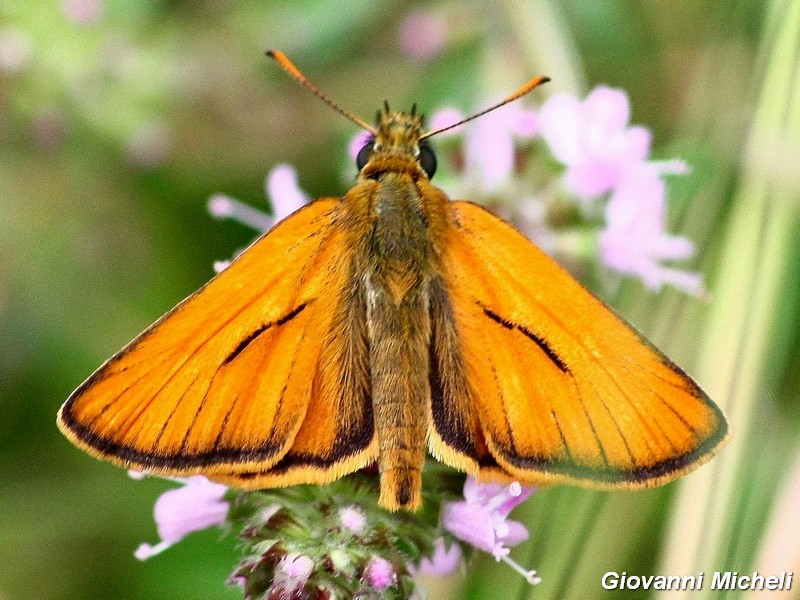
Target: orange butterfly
(385,324)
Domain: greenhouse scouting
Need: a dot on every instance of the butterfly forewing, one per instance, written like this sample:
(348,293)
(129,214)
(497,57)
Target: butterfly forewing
(221,382)
(565,391)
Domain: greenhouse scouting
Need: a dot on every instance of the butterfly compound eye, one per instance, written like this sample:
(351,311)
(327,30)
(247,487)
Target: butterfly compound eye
(427,159)
(363,155)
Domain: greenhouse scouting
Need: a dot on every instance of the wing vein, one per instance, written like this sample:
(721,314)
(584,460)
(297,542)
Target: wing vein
(561,433)
(172,412)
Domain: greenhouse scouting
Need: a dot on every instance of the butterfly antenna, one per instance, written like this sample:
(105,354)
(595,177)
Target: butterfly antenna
(287,65)
(533,83)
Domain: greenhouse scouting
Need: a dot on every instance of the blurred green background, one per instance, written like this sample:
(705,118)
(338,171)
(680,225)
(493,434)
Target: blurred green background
(119,118)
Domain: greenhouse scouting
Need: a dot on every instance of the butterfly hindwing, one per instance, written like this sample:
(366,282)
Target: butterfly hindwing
(455,433)
(337,435)
(564,390)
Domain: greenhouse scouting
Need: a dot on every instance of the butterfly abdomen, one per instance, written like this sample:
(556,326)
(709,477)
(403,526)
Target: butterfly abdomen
(398,336)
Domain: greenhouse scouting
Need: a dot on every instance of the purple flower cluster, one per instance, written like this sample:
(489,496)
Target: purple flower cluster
(481,520)
(603,156)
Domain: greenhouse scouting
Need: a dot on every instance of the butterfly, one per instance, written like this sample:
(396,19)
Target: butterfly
(386,325)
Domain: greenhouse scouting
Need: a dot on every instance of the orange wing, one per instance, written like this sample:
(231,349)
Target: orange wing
(551,385)
(240,377)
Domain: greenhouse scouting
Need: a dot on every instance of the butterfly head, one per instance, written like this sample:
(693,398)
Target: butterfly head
(398,144)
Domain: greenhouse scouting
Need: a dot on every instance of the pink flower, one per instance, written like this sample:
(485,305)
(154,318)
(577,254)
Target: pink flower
(284,192)
(291,575)
(634,241)
(490,145)
(593,140)
(281,188)
(441,563)
(353,519)
(481,520)
(604,155)
(423,34)
(379,573)
(445,117)
(225,207)
(195,506)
